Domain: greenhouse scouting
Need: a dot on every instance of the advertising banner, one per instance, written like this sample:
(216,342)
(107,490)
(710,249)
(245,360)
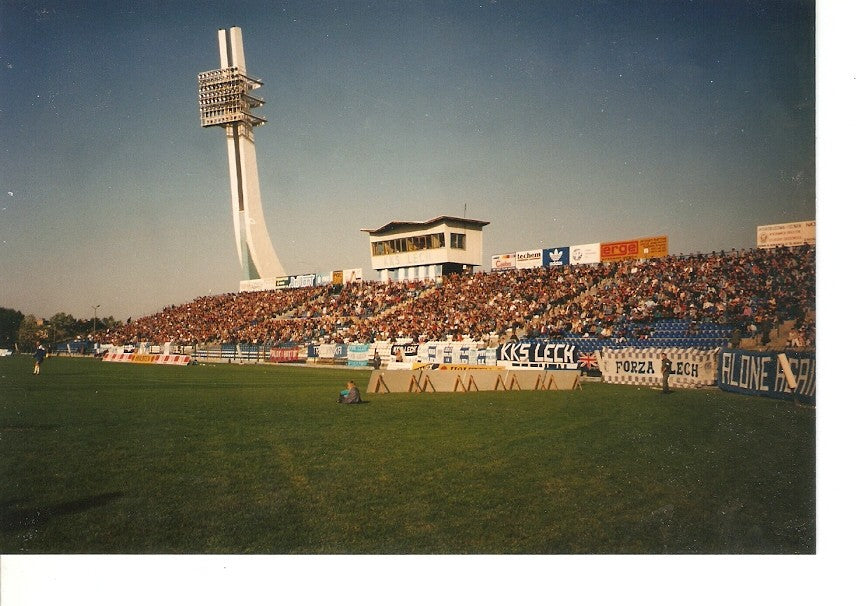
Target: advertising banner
(324,353)
(787,234)
(337,277)
(556,256)
(169,359)
(297,281)
(652,248)
(641,248)
(258,285)
(538,354)
(488,357)
(406,352)
(529,258)
(446,352)
(358,354)
(353,275)
(584,254)
(283,354)
(759,373)
(642,366)
(504,262)
(618,251)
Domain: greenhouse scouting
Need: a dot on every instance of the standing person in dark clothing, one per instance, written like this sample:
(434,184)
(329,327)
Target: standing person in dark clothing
(666,372)
(735,338)
(39,356)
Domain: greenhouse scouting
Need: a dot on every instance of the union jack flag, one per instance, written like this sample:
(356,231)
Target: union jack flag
(588,360)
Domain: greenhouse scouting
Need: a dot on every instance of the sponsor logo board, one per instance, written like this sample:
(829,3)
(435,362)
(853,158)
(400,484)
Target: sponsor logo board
(553,257)
(529,258)
(640,248)
(787,234)
(504,262)
(583,254)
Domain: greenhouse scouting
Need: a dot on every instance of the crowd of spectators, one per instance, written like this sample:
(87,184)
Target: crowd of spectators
(752,290)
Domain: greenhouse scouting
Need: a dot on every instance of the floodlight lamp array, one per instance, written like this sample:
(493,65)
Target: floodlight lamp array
(225,99)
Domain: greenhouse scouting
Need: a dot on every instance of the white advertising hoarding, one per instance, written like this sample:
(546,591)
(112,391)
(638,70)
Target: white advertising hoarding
(503,262)
(787,234)
(582,254)
(529,258)
(353,275)
(257,285)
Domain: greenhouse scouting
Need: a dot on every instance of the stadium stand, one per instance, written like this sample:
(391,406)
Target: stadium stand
(703,301)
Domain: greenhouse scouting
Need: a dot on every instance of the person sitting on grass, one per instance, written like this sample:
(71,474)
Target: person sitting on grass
(350,395)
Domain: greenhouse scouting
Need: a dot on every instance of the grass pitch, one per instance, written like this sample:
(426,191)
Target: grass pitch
(99,457)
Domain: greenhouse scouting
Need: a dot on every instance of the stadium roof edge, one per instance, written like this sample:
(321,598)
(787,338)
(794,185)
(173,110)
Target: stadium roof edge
(424,224)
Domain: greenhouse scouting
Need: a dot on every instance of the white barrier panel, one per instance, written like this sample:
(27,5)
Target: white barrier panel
(173,360)
(636,366)
(117,357)
(168,359)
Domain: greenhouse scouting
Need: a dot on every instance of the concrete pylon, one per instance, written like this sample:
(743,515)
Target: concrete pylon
(225,101)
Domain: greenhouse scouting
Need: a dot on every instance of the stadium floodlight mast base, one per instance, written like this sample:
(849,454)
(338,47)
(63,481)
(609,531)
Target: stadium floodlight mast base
(225,101)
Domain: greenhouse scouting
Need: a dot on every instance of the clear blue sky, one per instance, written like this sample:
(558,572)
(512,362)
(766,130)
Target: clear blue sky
(559,122)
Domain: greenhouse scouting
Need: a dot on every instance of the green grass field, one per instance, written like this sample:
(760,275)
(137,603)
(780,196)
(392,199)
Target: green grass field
(121,458)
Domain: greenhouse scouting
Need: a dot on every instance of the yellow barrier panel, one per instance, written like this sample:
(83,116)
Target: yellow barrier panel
(394,381)
(446,381)
(561,379)
(527,380)
(484,381)
(442,380)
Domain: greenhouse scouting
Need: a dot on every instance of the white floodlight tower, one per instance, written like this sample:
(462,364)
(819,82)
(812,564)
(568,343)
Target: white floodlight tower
(225,101)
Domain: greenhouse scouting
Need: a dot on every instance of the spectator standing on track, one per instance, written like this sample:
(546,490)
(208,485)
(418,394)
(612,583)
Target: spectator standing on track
(735,337)
(666,372)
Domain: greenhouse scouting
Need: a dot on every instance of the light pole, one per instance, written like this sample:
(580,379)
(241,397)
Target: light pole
(94,310)
(226,101)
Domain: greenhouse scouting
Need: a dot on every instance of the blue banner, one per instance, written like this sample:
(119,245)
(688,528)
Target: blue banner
(759,373)
(359,354)
(556,256)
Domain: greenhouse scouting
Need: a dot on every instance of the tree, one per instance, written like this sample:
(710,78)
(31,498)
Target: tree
(10,321)
(63,326)
(29,332)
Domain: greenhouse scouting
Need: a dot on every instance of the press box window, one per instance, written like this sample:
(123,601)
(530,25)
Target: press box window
(457,241)
(410,244)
